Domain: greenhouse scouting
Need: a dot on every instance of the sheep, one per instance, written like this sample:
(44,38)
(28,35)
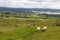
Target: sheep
(28,25)
(44,28)
(38,28)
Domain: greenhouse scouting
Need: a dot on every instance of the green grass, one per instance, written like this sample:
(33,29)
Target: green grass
(22,32)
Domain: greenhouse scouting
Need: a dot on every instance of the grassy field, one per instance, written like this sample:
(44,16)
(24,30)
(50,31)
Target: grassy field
(16,29)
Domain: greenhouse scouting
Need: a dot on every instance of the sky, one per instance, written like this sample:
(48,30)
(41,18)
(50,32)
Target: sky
(54,4)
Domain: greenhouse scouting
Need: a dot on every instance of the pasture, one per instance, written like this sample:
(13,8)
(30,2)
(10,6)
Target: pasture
(16,29)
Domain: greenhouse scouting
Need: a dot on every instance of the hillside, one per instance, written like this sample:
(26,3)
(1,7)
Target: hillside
(16,29)
(29,9)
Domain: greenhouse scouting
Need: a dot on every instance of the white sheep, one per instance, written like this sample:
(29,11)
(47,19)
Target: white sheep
(38,28)
(44,28)
(28,25)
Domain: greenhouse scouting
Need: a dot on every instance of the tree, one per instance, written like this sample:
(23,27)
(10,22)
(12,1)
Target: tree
(7,13)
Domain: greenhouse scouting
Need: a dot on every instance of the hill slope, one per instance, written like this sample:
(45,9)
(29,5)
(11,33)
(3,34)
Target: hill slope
(16,29)
(29,9)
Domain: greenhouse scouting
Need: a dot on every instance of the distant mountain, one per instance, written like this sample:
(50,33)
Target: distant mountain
(29,9)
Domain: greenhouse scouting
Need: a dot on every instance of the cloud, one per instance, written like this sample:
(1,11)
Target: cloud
(31,3)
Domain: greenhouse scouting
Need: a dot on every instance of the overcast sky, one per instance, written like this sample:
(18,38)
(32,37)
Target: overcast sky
(31,3)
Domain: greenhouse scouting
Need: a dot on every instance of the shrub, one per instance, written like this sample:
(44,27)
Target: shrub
(58,22)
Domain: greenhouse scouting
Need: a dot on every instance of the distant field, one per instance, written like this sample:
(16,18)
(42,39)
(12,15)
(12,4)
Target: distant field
(16,29)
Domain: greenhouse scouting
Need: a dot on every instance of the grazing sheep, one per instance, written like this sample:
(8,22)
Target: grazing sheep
(44,28)
(38,28)
(28,25)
